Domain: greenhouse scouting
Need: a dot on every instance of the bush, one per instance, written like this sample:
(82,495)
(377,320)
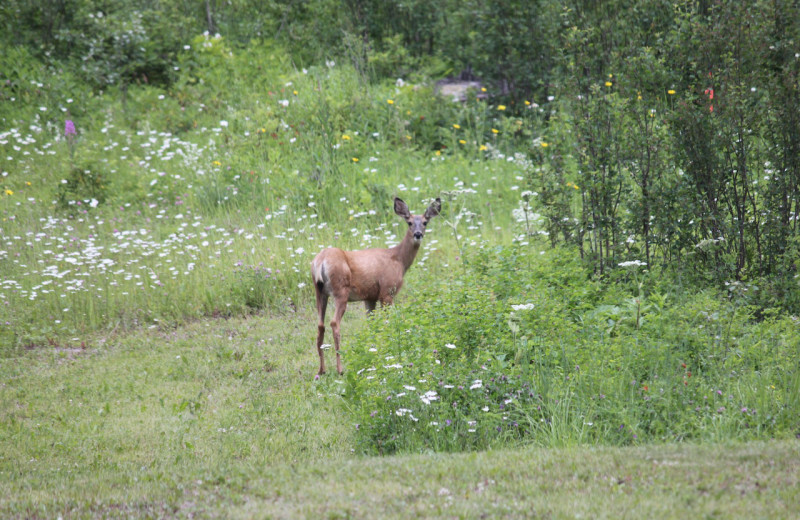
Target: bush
(505,353)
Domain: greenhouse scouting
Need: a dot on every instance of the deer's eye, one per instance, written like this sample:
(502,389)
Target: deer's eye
(409,224)
(424,223)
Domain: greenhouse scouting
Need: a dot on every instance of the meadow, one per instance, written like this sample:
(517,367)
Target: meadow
(157,332)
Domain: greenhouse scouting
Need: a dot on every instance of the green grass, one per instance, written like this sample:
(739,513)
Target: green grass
(224,418)
(156,330)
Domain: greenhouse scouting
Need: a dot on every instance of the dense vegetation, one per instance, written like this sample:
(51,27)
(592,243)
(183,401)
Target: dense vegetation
(616,261)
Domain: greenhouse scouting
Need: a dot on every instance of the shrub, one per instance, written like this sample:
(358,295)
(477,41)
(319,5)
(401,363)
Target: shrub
(523,349)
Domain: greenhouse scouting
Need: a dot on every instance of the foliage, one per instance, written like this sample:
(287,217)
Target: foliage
(628,169)
(523,350)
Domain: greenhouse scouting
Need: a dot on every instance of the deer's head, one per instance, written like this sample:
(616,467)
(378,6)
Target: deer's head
(417,223)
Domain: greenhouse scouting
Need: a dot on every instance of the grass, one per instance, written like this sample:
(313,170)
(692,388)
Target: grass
(224,418)
(156,330)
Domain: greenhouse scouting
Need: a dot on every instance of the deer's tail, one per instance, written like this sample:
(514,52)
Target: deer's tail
(318,274)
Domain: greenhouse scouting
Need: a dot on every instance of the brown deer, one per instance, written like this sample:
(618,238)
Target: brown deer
(370,275)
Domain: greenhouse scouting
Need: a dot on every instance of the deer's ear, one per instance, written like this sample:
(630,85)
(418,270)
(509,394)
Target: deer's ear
(401,208)
(433,209)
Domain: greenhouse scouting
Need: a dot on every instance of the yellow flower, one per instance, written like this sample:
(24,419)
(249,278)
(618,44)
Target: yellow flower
(501,107)
(9,192)
(27,183)
(390,101)
(545,145)
(408,137)
(495,131)
(462,141)
(608,83)
(263,130)
(456,126)
(610,75)
(345,137)
(671,92)
(483,89)
(216,163)
(527,102)
(294,92)
(408,112)
(639,96)
(483,148)
(355,159)
(438,152)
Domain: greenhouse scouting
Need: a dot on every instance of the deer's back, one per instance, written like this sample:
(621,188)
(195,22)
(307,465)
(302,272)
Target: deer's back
(365,274)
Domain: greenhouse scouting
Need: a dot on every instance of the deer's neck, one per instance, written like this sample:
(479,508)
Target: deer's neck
(406,251)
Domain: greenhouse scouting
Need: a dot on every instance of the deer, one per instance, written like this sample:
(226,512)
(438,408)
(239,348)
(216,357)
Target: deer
(368,275)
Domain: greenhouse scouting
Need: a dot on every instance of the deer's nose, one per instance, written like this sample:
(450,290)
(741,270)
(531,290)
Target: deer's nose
(418,235)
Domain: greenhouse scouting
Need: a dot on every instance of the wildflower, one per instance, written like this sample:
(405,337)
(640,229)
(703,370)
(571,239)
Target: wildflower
(639,96)
(527,102)
(523,307)
(462,141)
(608,83)
(671,92)
(495,131)
(345,137)
(216,163)
(408,137)
(483,148)
(456,126)
(294,92)
(69,128)
(9,192)
(630,263)
(390,101)
(450,346)
(429,396)
(501,107)
(438,152)
(545,145)
(223,123)
(355,159)
(483,89)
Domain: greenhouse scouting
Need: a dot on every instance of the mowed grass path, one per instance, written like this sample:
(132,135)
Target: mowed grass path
(223,418)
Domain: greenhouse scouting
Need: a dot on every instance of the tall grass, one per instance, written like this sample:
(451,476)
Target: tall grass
(182,203)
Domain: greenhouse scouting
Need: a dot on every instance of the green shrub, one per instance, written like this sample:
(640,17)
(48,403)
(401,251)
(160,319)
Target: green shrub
(523,348)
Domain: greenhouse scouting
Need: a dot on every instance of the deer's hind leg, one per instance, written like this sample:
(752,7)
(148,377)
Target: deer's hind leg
(340,301)
(322,305)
